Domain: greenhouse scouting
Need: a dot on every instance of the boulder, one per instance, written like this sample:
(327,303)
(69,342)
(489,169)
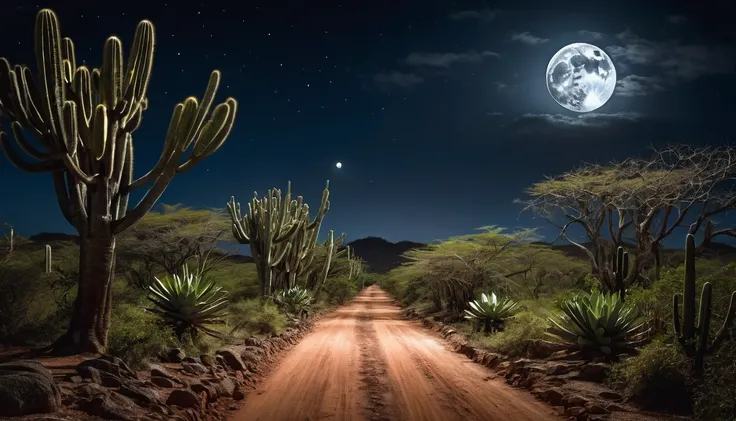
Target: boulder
(233,361)
(184,398)
(174,355)
(26,387)
(111,406)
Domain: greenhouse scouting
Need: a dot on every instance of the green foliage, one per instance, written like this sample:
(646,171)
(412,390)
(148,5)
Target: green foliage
(188,302)
(715,395)
(597,323)
(339,289)
(294,301)
(254,317)
(239,279)
(491,311)
(655,378)
(522,336)
(136,335)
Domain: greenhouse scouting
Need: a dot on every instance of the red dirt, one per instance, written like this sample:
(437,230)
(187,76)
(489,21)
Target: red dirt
(365,363)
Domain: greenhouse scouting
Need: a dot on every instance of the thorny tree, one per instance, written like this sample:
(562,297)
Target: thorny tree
(649,198)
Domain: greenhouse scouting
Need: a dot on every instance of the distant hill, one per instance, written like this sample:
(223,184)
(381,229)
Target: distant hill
(381,255)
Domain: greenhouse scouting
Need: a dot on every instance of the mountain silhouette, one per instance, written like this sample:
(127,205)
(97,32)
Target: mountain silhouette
(382,255)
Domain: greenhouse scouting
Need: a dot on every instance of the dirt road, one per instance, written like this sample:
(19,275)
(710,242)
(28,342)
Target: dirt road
(364,363)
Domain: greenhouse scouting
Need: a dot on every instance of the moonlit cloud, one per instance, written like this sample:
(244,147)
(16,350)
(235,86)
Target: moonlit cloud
(590,34)
(528,38)
(581,120)
(484,16)
(447,59)
(634,85)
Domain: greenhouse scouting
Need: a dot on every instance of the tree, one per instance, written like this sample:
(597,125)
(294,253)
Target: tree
(647,197)
(543,269)
(83,120)
(165,241)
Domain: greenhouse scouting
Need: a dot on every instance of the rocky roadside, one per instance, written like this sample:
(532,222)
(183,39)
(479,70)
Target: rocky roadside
(178,387)
(576,389)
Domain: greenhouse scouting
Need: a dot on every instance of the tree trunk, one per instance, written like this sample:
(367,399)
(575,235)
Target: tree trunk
(90,320)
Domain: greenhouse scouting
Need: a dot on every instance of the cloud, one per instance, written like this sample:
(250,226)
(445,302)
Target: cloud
(500,85)
(542,123)
(446,59)
(495,114)
(484,15)
(677,60)
(388,80)
(676,19)
(634,85)
(528,38)
(590,34)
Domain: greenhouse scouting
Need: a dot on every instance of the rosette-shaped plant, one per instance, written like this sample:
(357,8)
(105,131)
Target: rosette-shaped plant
(597,324)
(188,302)
(294,301)
(491,311)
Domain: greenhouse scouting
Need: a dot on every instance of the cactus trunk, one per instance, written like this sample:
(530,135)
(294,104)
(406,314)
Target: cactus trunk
(90,320)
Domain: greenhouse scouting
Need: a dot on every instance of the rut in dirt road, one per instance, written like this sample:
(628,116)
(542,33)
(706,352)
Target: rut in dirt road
(365,363)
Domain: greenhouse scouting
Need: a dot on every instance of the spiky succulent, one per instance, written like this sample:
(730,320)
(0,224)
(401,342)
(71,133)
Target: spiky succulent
(597,323)
(294,301)
(188,302)
(491,310)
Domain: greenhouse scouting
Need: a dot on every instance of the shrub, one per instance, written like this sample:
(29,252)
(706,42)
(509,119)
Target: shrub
(655,378)
(339,289)
(491,311)
(597,323)
(715,396)
(522,337)
(294,301)
(135,335)
(249,317)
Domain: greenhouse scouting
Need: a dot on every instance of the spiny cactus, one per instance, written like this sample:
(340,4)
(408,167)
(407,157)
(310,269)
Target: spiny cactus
(694,336)
(280,235)
(84,120)
(47,258)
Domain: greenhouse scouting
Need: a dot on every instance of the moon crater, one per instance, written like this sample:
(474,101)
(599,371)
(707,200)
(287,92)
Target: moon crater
(581,77)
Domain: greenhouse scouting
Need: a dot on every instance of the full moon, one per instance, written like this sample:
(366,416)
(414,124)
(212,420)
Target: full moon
(581,77)
(338,165)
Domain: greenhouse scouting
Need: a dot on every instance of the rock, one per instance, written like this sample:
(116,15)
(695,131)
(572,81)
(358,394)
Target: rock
(101,365)
(184,398)
(26,387)
(75,379)
(191,360)
(175,355)
(615,408)
(611,396)
(110,380)
(124,369)
(91,389)
(593,372)
(250,360)
(162,382)
(574,400)
(575,411)
(194,368)
(596,409)
(232,359)
(112,406)
(140,394)
(209,390)
(90,373)
(238,394)
(559,369)
(224,386)
(207,360)
(159,371)
(552,396)
(253,341)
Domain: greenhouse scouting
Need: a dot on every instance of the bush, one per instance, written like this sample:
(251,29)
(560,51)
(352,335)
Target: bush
(136,335)
(655,379)
(339,289)
(250,317)
(715,397)
(520,338)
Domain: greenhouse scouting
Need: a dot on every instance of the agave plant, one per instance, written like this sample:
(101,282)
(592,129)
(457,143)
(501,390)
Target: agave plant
(491,310)
(188,302)
(597,323)
(294,301)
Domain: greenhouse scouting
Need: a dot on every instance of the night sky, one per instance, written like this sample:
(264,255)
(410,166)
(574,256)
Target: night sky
(438,110)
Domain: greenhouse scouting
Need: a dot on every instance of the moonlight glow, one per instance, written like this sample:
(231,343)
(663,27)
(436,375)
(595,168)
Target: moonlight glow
(338,165)
(581,77)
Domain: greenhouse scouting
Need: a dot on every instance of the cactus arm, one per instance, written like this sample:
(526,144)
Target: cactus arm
(723,332)
(688,303)
(17,160)
(703,327)
(676,318)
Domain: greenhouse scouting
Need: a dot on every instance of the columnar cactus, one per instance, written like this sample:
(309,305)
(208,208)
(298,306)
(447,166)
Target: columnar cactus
(620,271)
(280,234)
(47,258)
(84,120)
(694,336)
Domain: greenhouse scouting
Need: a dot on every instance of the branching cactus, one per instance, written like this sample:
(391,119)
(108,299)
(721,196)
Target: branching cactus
(693,334)
(620,272)
(280,234)
(84,120)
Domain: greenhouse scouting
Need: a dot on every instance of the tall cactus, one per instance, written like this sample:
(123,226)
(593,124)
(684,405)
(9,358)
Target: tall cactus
(694,336)
(280,234)
(620,272)
(84,120)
